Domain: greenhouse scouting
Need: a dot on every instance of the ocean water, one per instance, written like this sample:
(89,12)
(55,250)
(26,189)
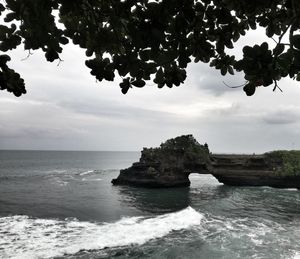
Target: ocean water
(57,204)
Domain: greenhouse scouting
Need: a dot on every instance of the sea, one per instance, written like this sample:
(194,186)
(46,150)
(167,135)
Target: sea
(61,204)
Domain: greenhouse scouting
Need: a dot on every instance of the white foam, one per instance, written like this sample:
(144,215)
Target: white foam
(23,237)
(296,255)
(91,180)
(86,172)
(61,182)
(56,171)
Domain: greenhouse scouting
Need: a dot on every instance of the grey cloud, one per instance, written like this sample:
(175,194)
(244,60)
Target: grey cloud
(281,117)
(66,109)
(210,80)
(233,110)
(116,110)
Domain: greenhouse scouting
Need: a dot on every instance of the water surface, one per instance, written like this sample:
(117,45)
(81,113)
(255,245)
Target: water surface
(61,204)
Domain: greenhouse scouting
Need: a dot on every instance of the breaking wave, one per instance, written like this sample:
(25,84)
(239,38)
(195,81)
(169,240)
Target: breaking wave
(296,255)
(86,172)
(25,237)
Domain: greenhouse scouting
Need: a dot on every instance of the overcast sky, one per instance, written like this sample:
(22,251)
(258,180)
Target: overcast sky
(66,109)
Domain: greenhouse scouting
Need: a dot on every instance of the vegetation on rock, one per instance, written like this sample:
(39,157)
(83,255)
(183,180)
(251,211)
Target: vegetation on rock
(155,40)
(286,163)
(183,148)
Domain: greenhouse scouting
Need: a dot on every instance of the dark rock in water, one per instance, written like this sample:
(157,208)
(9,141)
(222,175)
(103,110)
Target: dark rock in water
(170,165)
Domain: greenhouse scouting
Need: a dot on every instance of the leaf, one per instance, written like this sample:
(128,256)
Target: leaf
(249,51)
(89,52)
(236,36)
(145,54)
(296,41)
(230,70)
(284,60)
(51,55)
(10,17)
(165,57)
(278,49)
(159,78)
(213,63)
(2,8)
(223,71)
(125,85)
(270,31)
(264,47)
(138,83)
(183,60)
(64,40)
(4,59)
(249,89)
(268,80)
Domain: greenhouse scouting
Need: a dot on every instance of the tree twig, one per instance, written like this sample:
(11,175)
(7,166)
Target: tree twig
(276,86)
(59,61)
(28,55)
(235,86)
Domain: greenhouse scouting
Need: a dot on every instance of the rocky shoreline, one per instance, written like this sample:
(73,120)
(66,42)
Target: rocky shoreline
(170,165)
(252,170)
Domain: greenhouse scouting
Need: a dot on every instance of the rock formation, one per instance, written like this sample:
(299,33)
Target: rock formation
(170,165)
(254,170)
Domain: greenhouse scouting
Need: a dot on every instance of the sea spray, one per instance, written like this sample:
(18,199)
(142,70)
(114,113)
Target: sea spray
(24,237)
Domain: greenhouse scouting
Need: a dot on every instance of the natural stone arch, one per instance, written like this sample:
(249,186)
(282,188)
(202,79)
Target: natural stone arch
(168,165)
(171,164)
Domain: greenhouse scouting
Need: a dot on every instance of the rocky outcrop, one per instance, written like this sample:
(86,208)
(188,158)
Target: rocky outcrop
(170,165)
(253,170)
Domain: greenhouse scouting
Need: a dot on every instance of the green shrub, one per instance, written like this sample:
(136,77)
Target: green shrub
(286,163)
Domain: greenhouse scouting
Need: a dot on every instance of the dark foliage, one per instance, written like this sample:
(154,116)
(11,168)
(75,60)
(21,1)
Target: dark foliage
(155,40)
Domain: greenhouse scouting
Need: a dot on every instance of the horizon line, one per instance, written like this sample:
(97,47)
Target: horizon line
(69,150)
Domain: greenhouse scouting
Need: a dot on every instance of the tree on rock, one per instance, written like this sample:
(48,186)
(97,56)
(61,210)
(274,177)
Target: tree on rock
(143,40)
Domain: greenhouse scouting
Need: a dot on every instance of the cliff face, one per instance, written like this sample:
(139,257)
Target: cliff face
(253,170)
(170,165)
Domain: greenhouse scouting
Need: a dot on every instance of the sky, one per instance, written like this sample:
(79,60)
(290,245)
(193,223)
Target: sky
(66,109)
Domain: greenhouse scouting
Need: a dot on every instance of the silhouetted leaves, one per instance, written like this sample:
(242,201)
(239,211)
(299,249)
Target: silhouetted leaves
(125,85)
(296,41)
(249,89)
(155,40)
(138,83)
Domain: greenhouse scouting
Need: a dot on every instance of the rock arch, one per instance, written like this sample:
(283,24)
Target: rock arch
(171,164)
(168,165)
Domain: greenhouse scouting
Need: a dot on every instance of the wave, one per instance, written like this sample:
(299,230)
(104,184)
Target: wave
(296,255)
(254,236)
(49,174)
(25,237)
(91,180)
(86,172)
(97,171)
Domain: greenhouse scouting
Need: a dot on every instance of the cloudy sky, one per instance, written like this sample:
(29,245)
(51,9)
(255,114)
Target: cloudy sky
(65,109)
